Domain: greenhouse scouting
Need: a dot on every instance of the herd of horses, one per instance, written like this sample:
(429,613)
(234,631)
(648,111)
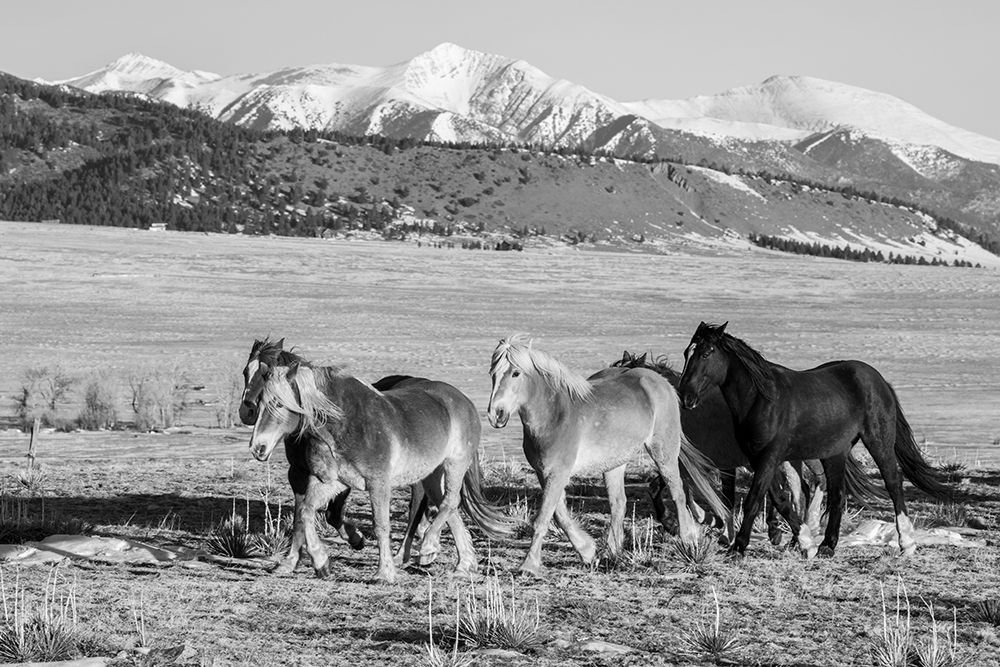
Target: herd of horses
(728,408)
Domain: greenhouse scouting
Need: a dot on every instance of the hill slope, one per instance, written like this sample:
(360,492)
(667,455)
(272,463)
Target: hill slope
(127,161)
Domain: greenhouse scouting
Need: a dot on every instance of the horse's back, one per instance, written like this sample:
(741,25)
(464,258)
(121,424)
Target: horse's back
(420,402)
(855,380)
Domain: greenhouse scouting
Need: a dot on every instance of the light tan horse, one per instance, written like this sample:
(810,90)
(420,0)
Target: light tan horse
(418,431)
(575,426)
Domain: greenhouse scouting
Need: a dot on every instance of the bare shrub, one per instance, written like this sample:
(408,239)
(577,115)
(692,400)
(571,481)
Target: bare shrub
(42,389)
(227,409)
(159,397)
(100,404)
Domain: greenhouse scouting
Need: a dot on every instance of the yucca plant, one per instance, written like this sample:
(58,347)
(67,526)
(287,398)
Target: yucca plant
(42,632)
(893,646)
(696,555)
(712,639)
(498,621)
(232,536)
(274,539)
(988,611)
(940,649)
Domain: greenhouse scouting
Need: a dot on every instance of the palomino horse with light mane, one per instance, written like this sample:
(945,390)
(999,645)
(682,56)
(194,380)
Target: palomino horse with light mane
(420,430)
(265,354)
(781,414)
(575,426)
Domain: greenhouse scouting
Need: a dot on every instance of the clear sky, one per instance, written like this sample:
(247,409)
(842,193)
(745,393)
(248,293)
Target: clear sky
(940,56)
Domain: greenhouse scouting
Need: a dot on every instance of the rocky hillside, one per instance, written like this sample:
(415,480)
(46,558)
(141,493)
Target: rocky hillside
(797,127)
(128,161)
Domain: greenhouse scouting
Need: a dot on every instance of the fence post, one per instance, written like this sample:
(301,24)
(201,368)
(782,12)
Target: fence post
(35,425)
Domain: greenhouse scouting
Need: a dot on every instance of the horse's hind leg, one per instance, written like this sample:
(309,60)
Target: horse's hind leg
(454,473)
(578,537)
(880,440)
(615,481)
(335,517)
(418,508)
(833,470)
(671,474)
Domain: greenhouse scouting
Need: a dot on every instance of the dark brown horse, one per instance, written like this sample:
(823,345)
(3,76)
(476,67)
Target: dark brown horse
(420,431)
(781,414)
(709,427)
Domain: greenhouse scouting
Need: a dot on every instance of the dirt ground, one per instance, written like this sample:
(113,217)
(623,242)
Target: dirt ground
(124,300)
(787,611)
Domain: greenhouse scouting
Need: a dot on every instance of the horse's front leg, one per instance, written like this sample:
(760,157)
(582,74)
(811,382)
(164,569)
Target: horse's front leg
(763,475)
(318,495)
(298,478)
(380,493)
(553,486)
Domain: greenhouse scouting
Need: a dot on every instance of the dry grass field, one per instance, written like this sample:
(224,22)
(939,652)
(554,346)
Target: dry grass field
(124,302)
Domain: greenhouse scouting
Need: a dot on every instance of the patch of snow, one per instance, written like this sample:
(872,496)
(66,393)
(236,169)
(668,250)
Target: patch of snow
(735,182)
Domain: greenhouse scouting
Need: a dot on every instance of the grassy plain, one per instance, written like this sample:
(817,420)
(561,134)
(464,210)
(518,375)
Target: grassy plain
(122,300)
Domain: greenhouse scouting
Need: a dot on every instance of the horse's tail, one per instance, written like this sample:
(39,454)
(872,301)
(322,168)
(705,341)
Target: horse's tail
(860,486)
(916,468)
(390,381)
(699,469)
(483,513)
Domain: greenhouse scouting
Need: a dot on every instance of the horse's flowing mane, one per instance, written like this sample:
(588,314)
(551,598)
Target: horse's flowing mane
(757,367)
(516,350)
(273,353)
(305,398)
(660,364)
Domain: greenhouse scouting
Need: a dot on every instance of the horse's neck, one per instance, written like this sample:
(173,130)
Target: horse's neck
(739,391)
(544,410)
(342,390)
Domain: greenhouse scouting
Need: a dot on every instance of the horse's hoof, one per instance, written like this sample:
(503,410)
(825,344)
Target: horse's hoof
(283,568)
(736,550)
(775,538)
(810,552)
(468,573)
(386,577)
(357,542)
(825,551)
(908,551)
(323,571)
(531,570)
(427,558)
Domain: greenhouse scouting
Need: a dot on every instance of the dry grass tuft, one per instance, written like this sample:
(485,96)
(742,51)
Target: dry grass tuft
(712,640)
(436,656)
(943,514)
(940,648)
(892,647)
(498,621)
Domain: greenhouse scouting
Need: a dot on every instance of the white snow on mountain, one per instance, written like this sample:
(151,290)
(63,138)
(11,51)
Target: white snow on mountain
(793,107)
(455,94)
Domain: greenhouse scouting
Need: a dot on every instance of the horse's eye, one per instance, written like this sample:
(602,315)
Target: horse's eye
(707,351)
(515,374)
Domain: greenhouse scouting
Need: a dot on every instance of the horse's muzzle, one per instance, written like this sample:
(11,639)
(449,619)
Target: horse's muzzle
(260,452)
(499,418)
(248,413)
(690,400)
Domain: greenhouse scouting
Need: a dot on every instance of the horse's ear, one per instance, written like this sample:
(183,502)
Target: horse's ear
(642,360)
(281,344)
(722,329)
(256,345)
(625,356)
(293,369)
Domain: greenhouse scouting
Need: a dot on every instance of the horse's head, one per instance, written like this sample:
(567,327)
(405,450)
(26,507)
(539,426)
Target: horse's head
(253,378)
(290,403)
(510,385)
(705,364)
(277,409)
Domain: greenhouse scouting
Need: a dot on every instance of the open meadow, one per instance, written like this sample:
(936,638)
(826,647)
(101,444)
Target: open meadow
(124,304)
